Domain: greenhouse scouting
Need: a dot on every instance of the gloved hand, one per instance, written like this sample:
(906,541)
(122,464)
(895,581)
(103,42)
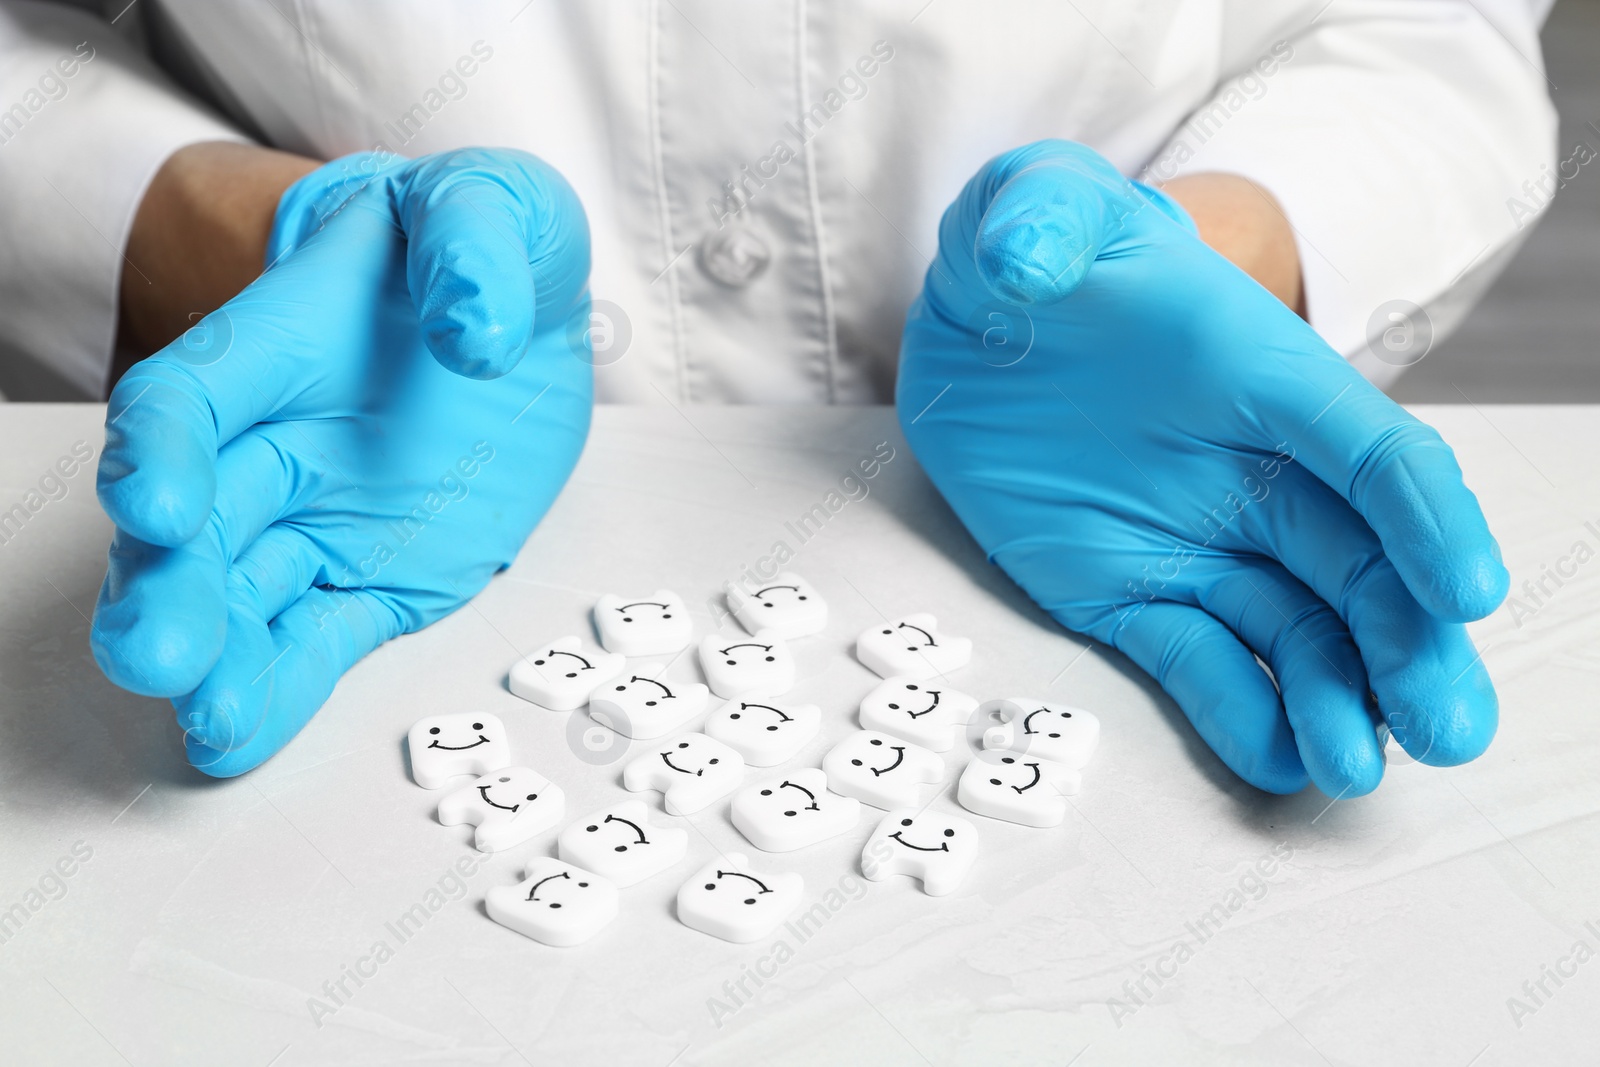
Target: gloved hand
(1169,460)
(349,448)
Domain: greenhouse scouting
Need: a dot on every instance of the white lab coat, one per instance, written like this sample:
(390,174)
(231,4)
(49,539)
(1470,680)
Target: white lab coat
(1396,134)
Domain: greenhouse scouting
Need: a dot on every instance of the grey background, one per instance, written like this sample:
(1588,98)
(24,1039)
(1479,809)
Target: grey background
(1536,335)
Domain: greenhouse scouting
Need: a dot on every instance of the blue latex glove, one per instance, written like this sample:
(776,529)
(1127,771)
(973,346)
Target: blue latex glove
(350,447)
(1129,473)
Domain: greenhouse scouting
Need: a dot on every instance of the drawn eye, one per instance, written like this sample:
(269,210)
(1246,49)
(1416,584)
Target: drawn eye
(875,741)
(553,905)
(538,663)
(505,779)
(733,663)
(477,726)
(771,658)
(770,727)
(683,744)
(533,796)
(1007,759)
(888,631)
(583,885)
(735,715)
(1055,735)
(711,885)
(622,688)
(591,829)
(800,598)
(649,703)
(713,761)
(626,619)
(433,730)
(788,813)
(905,822)
(994,781)
(949,833)
(913,688)
(666,616)
(855,763)
(894,707)
(766,792)
(752,900)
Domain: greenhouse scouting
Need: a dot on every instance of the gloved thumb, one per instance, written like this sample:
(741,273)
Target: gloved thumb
(1054,208)
(496,239)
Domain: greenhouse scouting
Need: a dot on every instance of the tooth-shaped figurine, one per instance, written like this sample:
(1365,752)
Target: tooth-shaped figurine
(728,898)
(1016,787)
(786,608)
(767,731)
(643,707)
(561,675)
(793,811)
(912,647)
(937,848)
(747,668)
(658,625)
(620,844)
(880,770)
(507,806)
(691,771)
(556,903)
(925,713)
(1042,730)
(443,746)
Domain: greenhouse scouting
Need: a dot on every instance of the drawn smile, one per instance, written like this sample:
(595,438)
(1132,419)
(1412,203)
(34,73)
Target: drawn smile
(943,846)
(666,757)
(484,790)
(460,748)
(1030,785)
(899,758)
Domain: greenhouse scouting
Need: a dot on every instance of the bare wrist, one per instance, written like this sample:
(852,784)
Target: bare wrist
(198,238)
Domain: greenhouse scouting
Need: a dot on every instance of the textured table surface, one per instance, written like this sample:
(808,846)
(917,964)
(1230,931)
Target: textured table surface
(1437,921)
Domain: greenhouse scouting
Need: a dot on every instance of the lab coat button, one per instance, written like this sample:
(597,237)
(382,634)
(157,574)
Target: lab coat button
(733,256)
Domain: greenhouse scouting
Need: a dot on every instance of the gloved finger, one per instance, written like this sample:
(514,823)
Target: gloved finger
(1396,472)
(1432,686)
(1047,211)
(1220,687)
(484,240)
(316,640)
(162,615)
(277,568)
(170,414)
(1320,676)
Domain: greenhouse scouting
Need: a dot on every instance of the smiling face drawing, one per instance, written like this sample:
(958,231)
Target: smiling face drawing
(691,772)
(508,806)
(766,732)
(880,770)
(937,848)
(912,647)
(786,608)
(727,898)
(644,707)
(1002,784)
(561,675)
(1042,730)
(619,843)
(656,625)
(443,746)
(747,668)
(794,811)
(930,714)
(555,903)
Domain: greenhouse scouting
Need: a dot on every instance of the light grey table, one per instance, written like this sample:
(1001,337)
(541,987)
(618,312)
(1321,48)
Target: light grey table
(201,918)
